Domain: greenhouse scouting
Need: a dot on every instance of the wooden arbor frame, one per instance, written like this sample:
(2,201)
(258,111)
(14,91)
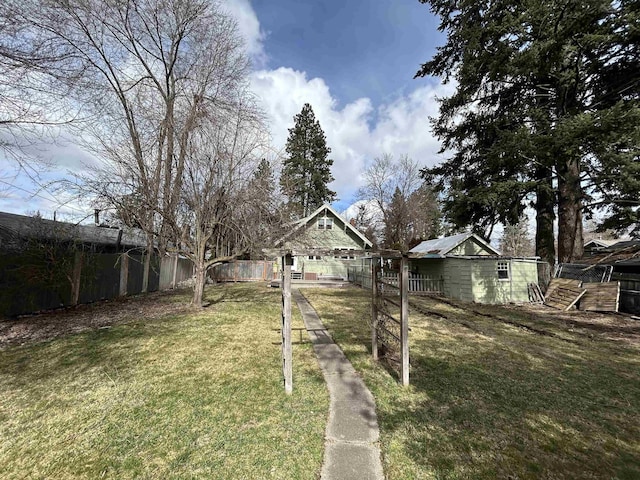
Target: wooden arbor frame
(384,296)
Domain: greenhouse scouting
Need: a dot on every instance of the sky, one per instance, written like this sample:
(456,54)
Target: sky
(353,61)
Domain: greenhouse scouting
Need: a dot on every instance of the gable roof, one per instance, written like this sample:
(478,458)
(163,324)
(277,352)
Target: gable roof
(440,247)
(597,243)
(303,222)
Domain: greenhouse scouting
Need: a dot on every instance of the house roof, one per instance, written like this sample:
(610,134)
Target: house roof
(440,247)
(600,243)
(20,226)
(622,253)
(298,224)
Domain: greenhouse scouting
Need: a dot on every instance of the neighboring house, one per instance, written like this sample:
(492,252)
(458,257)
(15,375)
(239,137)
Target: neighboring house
(15,230)
(470,269)
(327,231)
(597,245)
(48,264)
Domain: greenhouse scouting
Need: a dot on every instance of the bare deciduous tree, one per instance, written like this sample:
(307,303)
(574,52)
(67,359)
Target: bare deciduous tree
(146,74)
(409,208)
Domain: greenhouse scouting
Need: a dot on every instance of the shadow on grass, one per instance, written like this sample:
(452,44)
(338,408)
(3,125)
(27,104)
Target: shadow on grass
(497,401)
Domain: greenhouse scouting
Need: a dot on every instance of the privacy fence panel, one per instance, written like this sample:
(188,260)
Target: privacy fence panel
(243,271)
(43,278)
(174,268)
(629,291)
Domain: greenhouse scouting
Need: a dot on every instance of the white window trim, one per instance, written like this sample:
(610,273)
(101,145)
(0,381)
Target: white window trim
(504,266)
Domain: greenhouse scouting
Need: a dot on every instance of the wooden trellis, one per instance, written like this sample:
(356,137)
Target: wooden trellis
(287,347)
(390,316)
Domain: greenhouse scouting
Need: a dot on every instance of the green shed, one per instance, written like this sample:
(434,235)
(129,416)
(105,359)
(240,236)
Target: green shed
(470,269)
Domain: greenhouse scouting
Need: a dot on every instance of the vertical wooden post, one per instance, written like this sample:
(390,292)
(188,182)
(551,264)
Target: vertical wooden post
(374,309)
(124,273)
(175,271)
(75,281)
(404,318)
(287,356)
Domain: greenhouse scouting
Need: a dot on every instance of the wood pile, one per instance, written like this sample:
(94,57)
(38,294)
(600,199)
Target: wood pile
(564,293)
(601,297)
(535,294)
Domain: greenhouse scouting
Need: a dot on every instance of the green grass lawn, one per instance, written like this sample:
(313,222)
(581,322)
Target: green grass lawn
(197,394)
(492,400)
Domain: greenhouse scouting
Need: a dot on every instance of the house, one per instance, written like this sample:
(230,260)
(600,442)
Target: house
(597,245)
(15,230)
(323,245)
(47,264)
(470,269)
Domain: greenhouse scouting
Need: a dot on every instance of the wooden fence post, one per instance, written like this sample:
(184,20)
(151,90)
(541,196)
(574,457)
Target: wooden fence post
(124,273)
(374,310)
(175,272)
(404,318)
(287,356)
(77,272)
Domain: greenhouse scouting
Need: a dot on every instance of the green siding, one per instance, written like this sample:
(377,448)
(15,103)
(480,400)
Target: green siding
(325,266)
(476,279)
(457,279)
(487,288)
(339,237)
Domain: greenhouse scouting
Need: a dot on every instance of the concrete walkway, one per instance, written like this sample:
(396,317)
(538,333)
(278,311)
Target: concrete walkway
(351,450)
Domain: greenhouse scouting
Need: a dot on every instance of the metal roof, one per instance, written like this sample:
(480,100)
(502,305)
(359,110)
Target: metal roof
(439,247)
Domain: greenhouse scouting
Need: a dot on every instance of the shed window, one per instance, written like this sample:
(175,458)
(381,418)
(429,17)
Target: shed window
(503,270)
(325,223)
(315,257)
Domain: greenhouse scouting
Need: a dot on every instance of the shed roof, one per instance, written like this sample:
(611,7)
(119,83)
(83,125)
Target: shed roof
(21,226)
(440,247)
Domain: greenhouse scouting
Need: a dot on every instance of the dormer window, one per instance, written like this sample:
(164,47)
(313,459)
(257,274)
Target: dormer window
(325,223)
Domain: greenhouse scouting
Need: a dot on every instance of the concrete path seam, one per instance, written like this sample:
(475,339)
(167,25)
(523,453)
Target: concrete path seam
(351,438)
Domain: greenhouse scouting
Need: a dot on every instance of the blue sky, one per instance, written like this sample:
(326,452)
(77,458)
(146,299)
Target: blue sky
(353,61)
(361,48)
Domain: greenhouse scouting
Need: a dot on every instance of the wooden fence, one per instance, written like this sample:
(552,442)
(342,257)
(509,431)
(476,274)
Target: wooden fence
(418,283)
(32,283)
(629,291)
(244,271)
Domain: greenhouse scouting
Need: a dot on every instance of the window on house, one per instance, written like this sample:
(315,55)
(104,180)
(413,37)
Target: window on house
(325,223)
(315,257)
(503,270)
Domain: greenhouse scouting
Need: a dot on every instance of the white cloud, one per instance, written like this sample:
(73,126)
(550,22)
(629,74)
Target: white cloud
(249,29)
(357,132)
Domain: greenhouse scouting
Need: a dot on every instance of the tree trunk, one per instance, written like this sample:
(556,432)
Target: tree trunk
(545,239)
(198,288)
(570,239)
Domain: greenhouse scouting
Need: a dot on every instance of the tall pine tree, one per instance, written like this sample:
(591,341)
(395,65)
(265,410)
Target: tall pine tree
(306,171)
(545,111)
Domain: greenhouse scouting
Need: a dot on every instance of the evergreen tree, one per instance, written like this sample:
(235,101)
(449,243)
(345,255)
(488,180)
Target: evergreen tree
(307,168)
(545,111)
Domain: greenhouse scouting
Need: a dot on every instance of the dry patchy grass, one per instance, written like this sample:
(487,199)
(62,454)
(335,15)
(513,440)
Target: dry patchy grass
(498,392)
(187,394)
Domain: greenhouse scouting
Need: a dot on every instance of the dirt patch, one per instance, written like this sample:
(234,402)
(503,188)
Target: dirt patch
(609,325)
(48,325)
(544,320)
